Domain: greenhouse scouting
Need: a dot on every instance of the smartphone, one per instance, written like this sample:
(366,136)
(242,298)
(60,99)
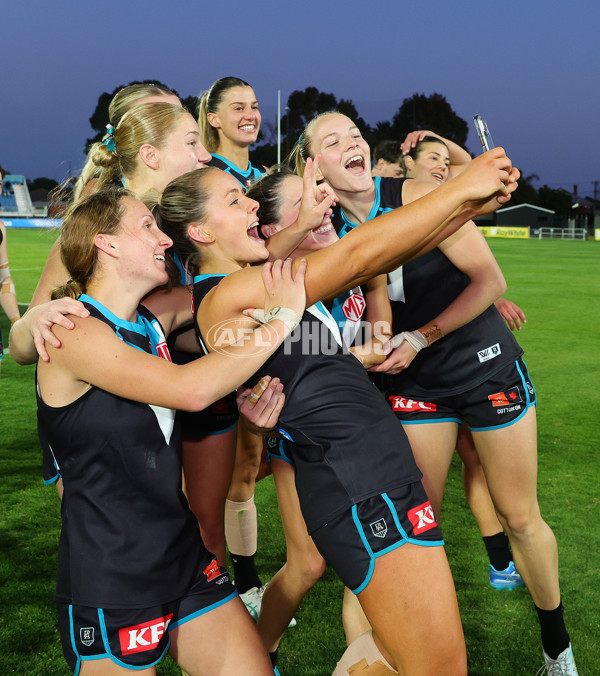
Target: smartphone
(483,132)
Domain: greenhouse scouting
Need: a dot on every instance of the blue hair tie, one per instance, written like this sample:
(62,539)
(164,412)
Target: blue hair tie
(108,139)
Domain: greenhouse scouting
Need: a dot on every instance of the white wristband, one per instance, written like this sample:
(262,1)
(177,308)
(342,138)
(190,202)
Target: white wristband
(414,338)
(288,316)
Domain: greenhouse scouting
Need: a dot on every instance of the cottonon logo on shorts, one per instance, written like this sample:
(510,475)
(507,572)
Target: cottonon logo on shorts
(379,528)
(86,635)
(422,518)
(402,404)
(512,396)
(143,637)
(353,307)
(489,353)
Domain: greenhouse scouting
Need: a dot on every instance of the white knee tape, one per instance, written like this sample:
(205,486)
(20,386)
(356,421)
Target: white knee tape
(240,527)
(363,658)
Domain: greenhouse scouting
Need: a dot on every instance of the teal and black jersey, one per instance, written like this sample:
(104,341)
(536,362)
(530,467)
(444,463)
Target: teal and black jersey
(128,538)
(419,291)
(347,444)
(246,178)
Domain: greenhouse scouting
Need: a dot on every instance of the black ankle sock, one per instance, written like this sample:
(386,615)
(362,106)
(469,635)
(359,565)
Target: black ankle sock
(273,657)
(498,549)
(245,574)
(555,637)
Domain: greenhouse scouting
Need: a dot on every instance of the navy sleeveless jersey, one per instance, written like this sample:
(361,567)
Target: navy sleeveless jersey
(347,444)
(128,538)
(246,178)
(418,292)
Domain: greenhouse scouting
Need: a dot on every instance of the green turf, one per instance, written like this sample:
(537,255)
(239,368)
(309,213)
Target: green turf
(558,285)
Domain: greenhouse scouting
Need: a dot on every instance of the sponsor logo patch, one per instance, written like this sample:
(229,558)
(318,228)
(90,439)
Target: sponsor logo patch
(402,404)
(379,528)
(212,571)
(353,307)
(489,353)
(143,637)
(86,635)
(507,398)
(163,351)
(422,518)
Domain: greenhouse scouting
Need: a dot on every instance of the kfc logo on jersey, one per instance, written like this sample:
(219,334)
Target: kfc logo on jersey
(512,396)
(86,635)
(212,571)
(144,636)
(402,404)
(422,518)
(379,528)
(489,353)
(353,307)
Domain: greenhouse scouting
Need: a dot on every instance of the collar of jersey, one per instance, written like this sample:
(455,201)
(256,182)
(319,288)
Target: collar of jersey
(142,326)
(235,167)
(350,224)
(200,278)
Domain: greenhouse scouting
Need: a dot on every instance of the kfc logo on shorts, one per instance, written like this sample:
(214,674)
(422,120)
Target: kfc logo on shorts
(144,636)
(379,528)
(402,404)
(86,635)
(422,518)
(212,571)
(353,307)
(512,396)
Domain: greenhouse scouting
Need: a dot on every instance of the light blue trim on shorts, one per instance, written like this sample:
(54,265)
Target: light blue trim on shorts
(216,434)
(283,432)
(528,404)
(396,545)
(202,611)
(116,660)
(427,422)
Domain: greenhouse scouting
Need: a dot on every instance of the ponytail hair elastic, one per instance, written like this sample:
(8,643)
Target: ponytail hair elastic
(108,139)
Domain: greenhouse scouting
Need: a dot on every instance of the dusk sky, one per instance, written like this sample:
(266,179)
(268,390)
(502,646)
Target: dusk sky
(531,68)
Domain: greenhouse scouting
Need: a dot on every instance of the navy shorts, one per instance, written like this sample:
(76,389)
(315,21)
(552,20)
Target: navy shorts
(139,638)
(351,541)
(277,448)
(217,418)
(500,401)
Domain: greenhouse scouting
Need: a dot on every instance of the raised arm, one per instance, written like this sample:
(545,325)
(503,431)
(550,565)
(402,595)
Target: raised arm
(133,374)
(386,242)
(459,157)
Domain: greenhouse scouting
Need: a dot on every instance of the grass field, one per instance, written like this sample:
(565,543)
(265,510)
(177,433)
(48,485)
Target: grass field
(558,285)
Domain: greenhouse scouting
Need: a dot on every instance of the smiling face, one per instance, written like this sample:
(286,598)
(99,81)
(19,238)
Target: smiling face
(431,164)
(183,150)
(291,195)
(231,223)
(345,155)
(140,244)
(237,117)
